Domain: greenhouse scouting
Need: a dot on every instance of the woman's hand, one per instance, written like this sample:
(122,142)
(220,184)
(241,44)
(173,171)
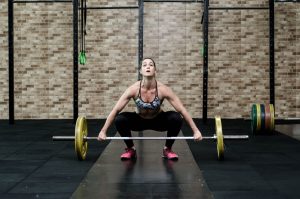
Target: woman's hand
(197,135)
(102,135)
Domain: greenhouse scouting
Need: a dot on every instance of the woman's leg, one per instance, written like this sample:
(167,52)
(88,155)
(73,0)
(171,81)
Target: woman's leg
(169,121)
(125,122)
(174,121)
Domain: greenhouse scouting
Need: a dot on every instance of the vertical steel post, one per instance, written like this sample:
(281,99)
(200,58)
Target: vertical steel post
(75,60)
(11,61)
(205,60)
(272,52)
(141,35)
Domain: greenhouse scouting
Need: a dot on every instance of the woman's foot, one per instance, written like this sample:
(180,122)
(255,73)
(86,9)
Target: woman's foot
(169,154)
(130,153)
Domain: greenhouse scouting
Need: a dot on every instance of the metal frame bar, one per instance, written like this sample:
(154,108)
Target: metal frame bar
(205,60)
(45,1)
(141,36)
(272,52)
(111,8)
(75,60)
(172,1)
(11,62)
(286,1)
(238,8)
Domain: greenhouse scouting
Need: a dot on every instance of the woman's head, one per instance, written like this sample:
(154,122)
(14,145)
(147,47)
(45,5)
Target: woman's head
(148,67)
(149,59)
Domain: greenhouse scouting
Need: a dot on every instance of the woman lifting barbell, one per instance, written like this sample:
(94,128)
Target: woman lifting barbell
(148,95)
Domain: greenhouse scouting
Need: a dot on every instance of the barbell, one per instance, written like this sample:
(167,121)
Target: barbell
(81,138)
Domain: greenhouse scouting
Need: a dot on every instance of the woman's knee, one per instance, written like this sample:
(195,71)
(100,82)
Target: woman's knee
(121,119)
(175,118)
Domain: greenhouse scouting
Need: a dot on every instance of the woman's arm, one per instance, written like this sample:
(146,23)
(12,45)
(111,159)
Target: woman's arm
(177,104)
(122,102)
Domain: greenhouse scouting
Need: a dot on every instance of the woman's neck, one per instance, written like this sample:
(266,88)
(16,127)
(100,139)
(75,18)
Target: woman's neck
(148,83)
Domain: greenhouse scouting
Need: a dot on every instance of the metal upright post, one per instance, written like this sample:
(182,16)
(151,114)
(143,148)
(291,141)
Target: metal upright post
(272,53)
(141,35)
(205,60)
(11,61)
(75,60)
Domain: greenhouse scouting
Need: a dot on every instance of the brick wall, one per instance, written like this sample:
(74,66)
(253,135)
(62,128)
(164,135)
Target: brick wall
(287,59)
(112,49)
(43,60)
(238,57)
(3,61)
(173,37)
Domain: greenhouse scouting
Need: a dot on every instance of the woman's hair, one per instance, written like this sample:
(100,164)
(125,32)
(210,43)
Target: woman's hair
(151,60)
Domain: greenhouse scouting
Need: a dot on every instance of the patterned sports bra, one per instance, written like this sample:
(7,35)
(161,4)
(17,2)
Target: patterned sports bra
(154,105)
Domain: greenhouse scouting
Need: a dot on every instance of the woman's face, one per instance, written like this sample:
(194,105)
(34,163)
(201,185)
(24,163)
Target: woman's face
(148,68)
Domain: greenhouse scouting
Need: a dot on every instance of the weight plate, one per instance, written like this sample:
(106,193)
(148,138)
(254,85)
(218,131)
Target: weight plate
(267,117)
(253,118)
(258,120)
(81,131)
(272,113)
(220,141)
(262,117)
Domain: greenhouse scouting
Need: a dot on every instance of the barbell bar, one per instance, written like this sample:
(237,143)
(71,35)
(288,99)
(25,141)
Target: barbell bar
(81,138)
(226,137)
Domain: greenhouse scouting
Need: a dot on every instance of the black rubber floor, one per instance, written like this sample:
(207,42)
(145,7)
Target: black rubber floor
(149,176)
(266,166)
(33,166)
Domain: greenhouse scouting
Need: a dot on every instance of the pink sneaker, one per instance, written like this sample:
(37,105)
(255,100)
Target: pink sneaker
(129,154)
(169,154)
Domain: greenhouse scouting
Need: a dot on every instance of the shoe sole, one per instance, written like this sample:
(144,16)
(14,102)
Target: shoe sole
(132,158)
(165,157)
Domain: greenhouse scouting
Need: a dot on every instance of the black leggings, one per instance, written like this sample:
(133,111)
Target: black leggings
(169,121)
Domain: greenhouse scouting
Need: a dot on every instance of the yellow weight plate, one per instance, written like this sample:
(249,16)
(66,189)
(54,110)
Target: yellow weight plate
(220,142)
(258,117)
(272,114)
(81,132)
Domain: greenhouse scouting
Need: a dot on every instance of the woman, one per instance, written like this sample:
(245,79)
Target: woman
(148,95)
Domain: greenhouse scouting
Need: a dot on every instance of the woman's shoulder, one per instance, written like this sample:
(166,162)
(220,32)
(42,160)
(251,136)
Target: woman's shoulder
(163,87)
(136,84)
(134,87)
(160,84)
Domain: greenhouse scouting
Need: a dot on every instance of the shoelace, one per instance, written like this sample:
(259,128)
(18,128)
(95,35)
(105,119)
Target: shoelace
(169,151)
(128,150)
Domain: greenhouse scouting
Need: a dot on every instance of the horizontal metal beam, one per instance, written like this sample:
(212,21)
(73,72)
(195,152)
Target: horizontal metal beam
(226,137)
(45,1)
(238,8)
(110,8)
(286,1)
(171,1)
